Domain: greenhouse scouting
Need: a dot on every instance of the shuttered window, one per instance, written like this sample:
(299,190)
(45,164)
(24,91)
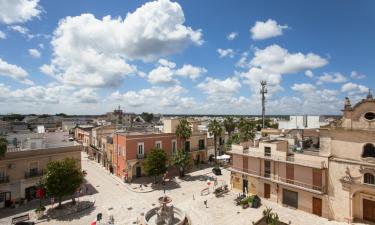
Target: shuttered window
(290,198)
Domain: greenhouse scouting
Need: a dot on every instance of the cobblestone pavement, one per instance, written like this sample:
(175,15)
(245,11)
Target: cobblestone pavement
(113,197)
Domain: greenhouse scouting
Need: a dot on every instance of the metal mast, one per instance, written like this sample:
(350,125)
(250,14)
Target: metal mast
(263,91)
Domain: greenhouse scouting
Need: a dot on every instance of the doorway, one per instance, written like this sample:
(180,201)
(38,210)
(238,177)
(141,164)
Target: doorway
(30,193)
(267,191)
(317,206)
(245,188)
(138,171)
(369,210)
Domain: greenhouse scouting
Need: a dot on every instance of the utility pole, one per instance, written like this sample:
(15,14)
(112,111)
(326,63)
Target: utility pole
(263,91)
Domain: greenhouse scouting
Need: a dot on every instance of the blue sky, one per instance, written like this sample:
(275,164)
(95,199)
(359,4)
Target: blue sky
(87,57)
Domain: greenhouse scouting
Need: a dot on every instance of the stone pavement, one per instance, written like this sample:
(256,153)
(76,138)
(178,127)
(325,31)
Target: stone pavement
(113,198)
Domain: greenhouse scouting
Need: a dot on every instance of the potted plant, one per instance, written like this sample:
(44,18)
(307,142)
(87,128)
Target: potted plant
(40,212)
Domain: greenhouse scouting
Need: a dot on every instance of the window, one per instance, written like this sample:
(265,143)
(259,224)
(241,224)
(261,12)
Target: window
(370,116)
(368,150)
(201,144)
(267,151)
(140,148)
(33,168)
(369,179)
(290,198)
(267,168)
(187,146)
(174,147)
(2,174)
(158,144)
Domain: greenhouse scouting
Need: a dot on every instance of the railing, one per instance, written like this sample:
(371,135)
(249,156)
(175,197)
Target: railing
(269,176)
(140,156)
(31,174)
(4,179)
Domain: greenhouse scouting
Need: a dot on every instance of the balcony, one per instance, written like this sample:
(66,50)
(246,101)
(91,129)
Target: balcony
(140,156)
(4,179)
(281,180)
(33,173)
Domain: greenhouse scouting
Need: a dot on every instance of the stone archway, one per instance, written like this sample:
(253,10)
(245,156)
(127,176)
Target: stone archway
(363,204)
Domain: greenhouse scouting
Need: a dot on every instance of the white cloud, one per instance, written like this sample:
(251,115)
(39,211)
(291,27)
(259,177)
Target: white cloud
(255,75)
(263,30)
(309,73)
(86,95)
(22,30)
(274,59)
(165,73)
(2,35)
(304,87)
(226,52)
(93,52)
(243,61)
(231,36)
(192,72)
(35,53)
(353,89)
(220,88)
(331,78)
(18,11)
(14,71)
(41,45)
(155,99)
(357,75)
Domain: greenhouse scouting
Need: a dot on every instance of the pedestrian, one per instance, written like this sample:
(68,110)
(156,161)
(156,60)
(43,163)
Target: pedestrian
(193,197)
(87,189)
(205,203)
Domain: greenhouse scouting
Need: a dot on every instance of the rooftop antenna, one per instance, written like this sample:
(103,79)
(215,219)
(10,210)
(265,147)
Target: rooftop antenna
(263,91)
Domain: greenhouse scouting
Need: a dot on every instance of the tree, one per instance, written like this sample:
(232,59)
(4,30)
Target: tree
(3,146)
(181,160)
(148,117)
(183,131)
(246,129)
(229,124)
(155,163)
(62,178)
(215,128)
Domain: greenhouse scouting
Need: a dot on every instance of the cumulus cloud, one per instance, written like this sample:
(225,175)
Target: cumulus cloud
(15,72)
(2,35)
(275,59)
(35,53)
(155,98)
(226,52)
(167,63)
(304,87)
(354,89)
(18,11)
(94,52)
(309,73)
(356,75)
(189,71)
(255,75)
(263,30)
(216,87)
(331,78)
(231,36)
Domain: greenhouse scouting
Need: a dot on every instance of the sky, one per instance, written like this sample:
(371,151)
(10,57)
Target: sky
(185,57)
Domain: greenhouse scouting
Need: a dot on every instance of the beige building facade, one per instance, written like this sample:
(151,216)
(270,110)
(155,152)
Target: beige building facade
(336,181)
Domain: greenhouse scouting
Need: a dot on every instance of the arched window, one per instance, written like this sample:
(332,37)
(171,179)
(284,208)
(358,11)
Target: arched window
(368,151)
(368,178)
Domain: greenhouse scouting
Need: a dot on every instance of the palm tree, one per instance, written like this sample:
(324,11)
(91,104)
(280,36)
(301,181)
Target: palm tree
(3,146)
(229,125)
(246,129)
(183,131)
(215,128)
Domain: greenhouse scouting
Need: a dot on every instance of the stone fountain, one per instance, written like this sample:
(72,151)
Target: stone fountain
(165,214)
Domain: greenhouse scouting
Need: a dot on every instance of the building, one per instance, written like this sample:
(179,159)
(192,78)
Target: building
(334,178)
(23,165)
(5,127)
(83,135)
(119,117)
(97,148)
(131,148)
(302,122)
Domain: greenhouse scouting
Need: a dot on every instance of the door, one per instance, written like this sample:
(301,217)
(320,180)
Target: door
(2,200)
(368,210)
(290,198)
(317,206)
(30,193)
(245,164)
(317,180)
(138,171)
(290,173)
(245,184)
(267,191)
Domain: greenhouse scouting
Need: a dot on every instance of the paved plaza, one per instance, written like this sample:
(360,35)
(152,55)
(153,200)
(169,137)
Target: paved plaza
(113,197)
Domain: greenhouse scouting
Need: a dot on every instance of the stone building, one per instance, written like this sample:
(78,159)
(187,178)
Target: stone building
(336,180)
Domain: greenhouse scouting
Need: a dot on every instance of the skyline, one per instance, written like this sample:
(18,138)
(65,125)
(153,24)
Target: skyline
(184,57)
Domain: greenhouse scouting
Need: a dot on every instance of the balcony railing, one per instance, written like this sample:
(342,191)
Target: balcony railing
(4,179)
(140,156)
(33,173)
(267,175)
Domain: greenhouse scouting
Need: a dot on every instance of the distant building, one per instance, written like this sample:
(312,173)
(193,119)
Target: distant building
(25,161)
(119,117)
(5,127)
(302,122)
